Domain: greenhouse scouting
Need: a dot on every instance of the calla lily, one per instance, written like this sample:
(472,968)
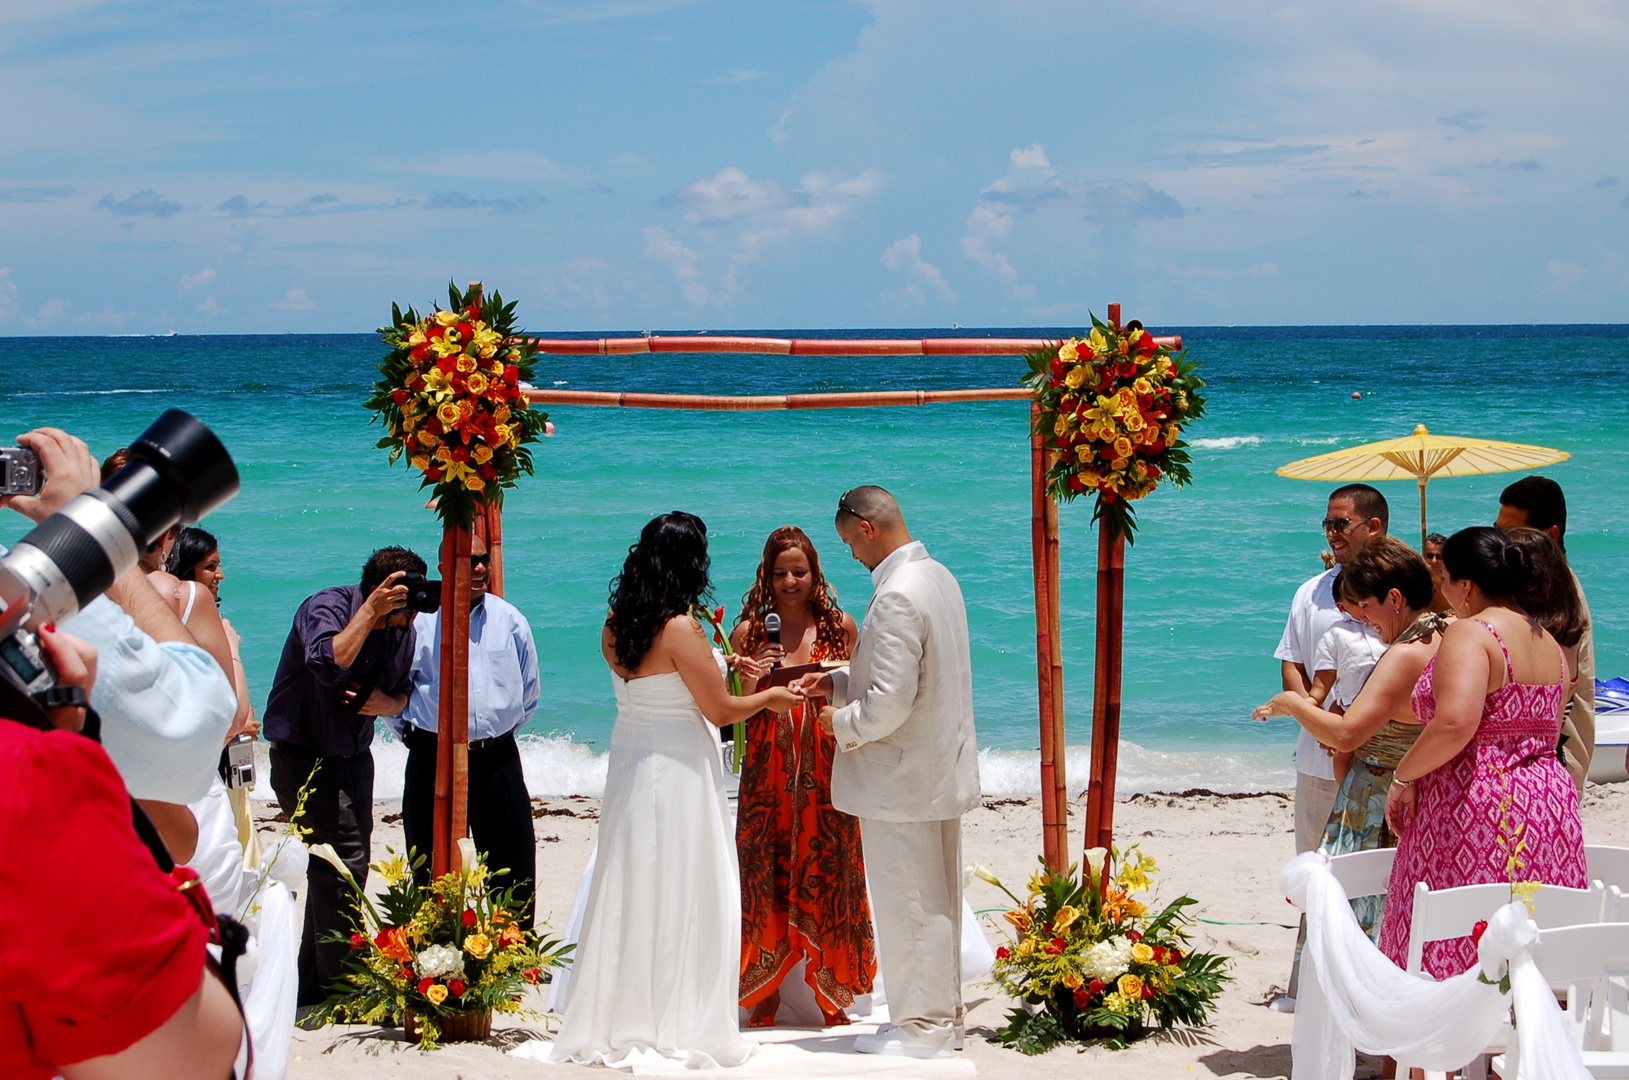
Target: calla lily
(466,854)
(1095,858)
(327,854)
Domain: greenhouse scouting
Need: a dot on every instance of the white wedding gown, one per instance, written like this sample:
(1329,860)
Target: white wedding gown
(656,971)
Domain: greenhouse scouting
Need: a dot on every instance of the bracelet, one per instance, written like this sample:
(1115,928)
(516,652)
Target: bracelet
(1402,783)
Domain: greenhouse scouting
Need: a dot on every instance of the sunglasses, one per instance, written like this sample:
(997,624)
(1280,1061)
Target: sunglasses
(1338,525)
(480,560)
(842,504)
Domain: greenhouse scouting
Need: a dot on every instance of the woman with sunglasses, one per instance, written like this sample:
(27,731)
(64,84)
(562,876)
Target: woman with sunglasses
(803,892)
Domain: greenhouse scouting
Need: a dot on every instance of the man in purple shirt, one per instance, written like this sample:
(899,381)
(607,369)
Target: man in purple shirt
(348,659)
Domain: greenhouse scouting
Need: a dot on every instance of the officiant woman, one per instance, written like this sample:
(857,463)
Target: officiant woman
(802,875)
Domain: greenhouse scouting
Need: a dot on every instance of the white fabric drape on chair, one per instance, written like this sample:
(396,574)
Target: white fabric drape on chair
(1353,998)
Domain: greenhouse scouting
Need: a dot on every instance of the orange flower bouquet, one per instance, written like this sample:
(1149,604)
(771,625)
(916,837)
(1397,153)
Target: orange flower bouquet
(451,400)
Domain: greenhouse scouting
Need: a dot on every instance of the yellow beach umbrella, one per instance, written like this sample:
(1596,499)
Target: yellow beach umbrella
(1421,456)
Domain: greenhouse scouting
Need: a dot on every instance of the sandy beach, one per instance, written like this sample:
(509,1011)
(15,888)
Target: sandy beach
(1226,851)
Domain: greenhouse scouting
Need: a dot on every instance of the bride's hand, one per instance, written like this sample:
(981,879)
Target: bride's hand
(1278,706)
(747,666)
(781,699)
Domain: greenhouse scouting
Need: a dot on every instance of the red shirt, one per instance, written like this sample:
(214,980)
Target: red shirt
(97,948)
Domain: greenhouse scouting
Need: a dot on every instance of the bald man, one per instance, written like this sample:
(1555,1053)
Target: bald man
(907,767)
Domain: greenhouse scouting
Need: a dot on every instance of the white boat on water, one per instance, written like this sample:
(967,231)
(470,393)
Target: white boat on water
(1611,731)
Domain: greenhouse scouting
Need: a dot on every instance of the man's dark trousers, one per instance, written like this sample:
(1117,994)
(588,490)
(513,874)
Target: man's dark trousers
(338,811)
(500,810)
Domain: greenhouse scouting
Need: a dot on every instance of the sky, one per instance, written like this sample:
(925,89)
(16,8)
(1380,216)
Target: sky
(272,166)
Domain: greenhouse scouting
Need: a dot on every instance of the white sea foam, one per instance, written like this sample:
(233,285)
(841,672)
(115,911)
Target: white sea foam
(556,766)
(1229,442)
(84,393)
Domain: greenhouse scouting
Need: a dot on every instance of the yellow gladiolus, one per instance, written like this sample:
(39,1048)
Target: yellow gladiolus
(1141,953)
(417,336)
(1130,985)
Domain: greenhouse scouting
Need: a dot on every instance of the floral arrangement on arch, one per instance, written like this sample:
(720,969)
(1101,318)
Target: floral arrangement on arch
(424,955)
(450,399)
(1112,408)
(1090,961)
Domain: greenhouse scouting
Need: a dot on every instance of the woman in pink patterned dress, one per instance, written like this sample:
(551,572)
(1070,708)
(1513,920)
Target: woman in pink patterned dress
(1486,765)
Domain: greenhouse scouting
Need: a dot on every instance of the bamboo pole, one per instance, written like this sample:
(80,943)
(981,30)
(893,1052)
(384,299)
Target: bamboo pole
(1040,504)
(725,343)
(492,532)
(1111,578)
(772,402)
(1060,780)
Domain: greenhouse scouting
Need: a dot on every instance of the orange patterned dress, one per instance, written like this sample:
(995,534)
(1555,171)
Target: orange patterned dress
(802,875)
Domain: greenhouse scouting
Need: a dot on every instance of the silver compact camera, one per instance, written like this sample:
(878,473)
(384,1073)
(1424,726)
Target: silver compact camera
(240,762)
(19,471)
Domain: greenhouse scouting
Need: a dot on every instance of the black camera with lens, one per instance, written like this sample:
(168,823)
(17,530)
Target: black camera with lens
(178,471)
(422,595)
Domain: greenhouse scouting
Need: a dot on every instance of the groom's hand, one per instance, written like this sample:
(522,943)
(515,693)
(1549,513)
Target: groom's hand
(814,684)
(825,717)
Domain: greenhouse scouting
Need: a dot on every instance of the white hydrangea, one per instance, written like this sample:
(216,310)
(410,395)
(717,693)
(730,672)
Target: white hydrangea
(1107,960)
(439,962)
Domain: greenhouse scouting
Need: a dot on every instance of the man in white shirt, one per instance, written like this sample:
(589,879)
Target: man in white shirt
(503,695)
(1356,514)
(907,767)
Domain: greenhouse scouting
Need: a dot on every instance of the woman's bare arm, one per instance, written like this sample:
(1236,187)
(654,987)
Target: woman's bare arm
(1384,697)
(1460,686)
(685,642)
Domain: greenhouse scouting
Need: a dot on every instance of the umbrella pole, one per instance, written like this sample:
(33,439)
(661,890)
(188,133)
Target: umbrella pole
(1423,479)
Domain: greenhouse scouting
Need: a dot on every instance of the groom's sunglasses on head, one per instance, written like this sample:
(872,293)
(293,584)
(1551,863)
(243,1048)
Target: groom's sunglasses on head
(842,504)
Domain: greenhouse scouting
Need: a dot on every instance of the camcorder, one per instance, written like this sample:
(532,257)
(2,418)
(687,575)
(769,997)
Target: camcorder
(178,471)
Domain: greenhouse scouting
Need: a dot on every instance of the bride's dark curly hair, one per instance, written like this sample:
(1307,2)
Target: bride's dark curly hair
(665,575)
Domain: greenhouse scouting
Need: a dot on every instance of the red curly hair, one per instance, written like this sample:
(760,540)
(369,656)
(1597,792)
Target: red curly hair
(760,599)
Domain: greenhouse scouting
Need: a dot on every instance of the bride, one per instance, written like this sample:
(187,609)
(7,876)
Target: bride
(657,964)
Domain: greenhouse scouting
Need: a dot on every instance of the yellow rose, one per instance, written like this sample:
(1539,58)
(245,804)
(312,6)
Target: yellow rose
(1083,452)
(501,414)
(1134,422)
(478,945)
(1060,425)
(448,414)
(1076,376)
(1065,918)
(476,383)
(1122,447)
(1143,386)
(486,352)
(421,463)
(466,364)
(1069,351)
(1072,981)
(437,994)
(417,336)
(447,318)
(443,455)
(502,432)
(474,483)
(1141,953)
(482,454)
(1126,399)
(428,439)
(1026,947)
(1131,986)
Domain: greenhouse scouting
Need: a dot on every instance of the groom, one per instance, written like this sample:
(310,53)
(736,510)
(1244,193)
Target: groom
(907,766)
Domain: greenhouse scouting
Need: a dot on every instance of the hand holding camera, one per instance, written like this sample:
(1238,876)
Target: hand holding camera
(46,469)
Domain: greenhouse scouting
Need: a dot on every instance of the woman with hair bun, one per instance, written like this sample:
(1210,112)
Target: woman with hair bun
(803,892)
(1485,767)
(656,969)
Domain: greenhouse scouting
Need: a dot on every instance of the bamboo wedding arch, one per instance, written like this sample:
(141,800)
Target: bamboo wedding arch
(452,765)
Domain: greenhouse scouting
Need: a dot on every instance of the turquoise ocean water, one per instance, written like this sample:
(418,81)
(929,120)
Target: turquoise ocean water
(1207,582)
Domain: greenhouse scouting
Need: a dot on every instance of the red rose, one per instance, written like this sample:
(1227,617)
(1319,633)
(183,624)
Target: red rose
(1095,986)
(465,331)
(1053,948)
(1059,368)
(1060,943)
(1145,402)
(532,975)
(469,916)
(473,311)
(488,472)
(1154,472)
(434,474)
(359,941)
(425,984)
(461,453)
(447,365)
(1148,992)
(1082,999)
(1106,452)
(511,374)
(1157,447)
(1003,953)
(420,352)
(1145,345)
(1076,482)
(1478,930)
(456,988)
(399,397)
(1133,935)
(436,332)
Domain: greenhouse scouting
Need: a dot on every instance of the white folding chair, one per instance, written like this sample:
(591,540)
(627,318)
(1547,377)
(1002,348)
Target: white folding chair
(1443,914)
(1364,873)
(1608,865)
(1589,963)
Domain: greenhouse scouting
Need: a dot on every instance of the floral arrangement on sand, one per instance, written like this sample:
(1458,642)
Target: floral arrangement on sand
(450,398)
(1112,408)
(436,955)
(1090,961)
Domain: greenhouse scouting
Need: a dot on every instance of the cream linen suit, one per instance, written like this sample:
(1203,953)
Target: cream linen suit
(907,766)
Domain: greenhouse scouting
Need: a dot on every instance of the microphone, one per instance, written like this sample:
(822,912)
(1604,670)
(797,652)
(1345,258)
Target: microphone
(772,630)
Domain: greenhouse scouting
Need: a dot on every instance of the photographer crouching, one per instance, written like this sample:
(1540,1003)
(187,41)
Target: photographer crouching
(348,659)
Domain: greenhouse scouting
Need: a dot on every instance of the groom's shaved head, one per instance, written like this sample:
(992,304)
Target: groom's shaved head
(869,502)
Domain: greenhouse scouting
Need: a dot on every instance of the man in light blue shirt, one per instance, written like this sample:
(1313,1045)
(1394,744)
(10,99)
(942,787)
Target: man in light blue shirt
(503,693)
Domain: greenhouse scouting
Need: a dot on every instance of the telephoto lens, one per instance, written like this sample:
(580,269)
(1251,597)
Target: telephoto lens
(177,472)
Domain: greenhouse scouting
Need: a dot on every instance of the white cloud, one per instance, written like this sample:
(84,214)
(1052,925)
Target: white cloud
(190,282)
(51,311)
(739,75)
(209,306)
(1033,158)
(906,256)
(983,226)
(661,246)
(296,300)
(730,193)
(579,283)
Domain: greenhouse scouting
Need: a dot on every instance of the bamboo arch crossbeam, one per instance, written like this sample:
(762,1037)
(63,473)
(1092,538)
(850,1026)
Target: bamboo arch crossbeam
(772,402)
(764,346)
